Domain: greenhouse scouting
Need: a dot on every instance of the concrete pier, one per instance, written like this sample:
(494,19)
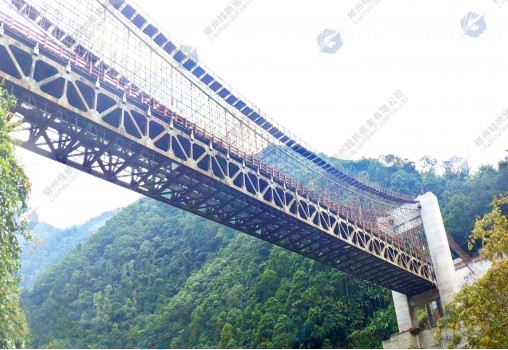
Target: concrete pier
(409,335)
(438,246)
(406,318)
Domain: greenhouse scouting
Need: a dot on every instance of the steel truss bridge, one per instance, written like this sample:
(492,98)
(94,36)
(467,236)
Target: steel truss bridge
(211,152)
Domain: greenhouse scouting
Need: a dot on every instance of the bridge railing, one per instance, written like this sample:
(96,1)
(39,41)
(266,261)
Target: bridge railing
(104,75)
(137,20)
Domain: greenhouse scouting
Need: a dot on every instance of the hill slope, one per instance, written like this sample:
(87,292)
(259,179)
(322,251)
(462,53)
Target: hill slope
(51,245)
(155,276)
(131,266)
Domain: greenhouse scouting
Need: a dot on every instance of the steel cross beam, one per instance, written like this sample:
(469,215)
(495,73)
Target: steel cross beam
(113,134)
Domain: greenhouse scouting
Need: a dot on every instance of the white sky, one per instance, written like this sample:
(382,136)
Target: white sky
(455,84)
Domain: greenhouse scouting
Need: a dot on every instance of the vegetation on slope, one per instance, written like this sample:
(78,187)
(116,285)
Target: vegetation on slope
(253,295)
(155,276)
(480,310)
(122,274)
(14,189)
(132,285)
(50,245)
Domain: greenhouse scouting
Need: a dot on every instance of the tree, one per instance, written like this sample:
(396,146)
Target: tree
(479,311)
(14,189)
(428,164)
(381,325)
(226,337)
(492,230)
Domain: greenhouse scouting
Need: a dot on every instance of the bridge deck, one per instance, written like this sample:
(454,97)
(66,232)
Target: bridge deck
(96,128)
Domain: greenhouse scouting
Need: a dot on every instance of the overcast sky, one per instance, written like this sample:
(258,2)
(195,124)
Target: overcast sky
(454,80)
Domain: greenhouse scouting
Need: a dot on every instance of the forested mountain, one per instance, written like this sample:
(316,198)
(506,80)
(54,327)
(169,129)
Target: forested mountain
(50,245)
(155,276)
(121,275)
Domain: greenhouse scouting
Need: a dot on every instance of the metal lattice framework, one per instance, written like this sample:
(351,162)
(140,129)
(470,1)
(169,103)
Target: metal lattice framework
(152,124)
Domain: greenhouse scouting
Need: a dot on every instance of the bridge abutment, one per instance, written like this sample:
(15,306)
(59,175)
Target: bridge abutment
(409,335)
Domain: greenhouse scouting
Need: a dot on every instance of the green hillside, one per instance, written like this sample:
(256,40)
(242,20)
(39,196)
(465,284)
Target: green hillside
(156,277)
(50,245)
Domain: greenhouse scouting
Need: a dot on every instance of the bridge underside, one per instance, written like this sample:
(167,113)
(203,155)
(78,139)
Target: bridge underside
(97,129)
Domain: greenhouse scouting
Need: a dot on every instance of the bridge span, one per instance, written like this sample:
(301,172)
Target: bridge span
(200,147)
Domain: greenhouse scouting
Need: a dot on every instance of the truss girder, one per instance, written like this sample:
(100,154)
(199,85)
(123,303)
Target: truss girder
(95,128)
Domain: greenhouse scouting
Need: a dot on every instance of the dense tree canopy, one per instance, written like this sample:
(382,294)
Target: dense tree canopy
(155,276)
(480,310)
(14,189)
